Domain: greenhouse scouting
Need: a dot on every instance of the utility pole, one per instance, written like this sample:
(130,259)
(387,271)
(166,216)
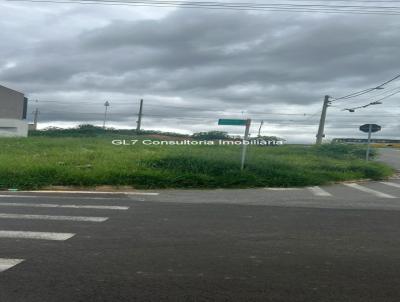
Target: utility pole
(321,127)
(139,121)
(245,142)
(106,104)
(35,118)
(259,129)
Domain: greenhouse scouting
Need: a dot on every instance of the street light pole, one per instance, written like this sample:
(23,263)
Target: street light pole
(35,118)
(139,121)
(106,104)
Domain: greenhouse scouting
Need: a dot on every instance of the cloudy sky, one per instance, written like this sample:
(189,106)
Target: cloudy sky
(193,66)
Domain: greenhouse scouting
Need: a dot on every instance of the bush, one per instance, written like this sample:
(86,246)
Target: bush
(211,135)
(39,162)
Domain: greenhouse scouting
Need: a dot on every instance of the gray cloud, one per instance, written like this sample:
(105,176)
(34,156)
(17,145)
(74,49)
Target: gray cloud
(198,64)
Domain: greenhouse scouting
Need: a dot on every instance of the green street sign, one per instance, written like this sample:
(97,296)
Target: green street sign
(232,122)
(235,122)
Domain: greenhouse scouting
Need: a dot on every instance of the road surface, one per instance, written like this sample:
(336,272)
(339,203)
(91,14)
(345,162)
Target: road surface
(332,243)
(390,156)
(335,243)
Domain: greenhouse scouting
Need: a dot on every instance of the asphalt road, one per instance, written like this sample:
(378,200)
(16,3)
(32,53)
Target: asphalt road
(224,245)
(391,157)
(334,243)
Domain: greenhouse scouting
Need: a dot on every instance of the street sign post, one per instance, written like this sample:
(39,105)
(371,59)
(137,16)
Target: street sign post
(374,128)
(239,122)
(232,122)
(369,128)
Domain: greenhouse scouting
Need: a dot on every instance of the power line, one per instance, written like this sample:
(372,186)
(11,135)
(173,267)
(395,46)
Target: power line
(377,102)
(208,118)
(365,91)
(388,96)
(382,93)
(246,4)
(382,10)
(177,108)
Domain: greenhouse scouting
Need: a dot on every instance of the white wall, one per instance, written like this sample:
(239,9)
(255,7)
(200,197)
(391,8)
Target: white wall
(13,127)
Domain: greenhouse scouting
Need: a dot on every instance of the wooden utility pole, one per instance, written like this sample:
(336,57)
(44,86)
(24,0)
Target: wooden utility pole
(320,134)
(139,121)
(259,129)
(245,142)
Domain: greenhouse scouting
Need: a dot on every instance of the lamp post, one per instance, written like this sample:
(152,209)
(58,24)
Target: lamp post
(106,104)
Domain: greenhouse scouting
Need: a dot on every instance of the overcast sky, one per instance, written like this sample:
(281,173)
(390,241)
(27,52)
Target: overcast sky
(193,66)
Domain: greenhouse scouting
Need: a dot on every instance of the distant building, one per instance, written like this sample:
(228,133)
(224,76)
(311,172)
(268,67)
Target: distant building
(364,141)
(13,109)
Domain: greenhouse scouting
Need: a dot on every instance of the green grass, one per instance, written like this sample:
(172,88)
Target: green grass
(39,162)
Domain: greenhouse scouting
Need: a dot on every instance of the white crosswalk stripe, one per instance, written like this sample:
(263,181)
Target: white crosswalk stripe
(392,184)
(6,264)
(65,206)
(52,217)
(370,191)
(396,176)
(51,197)
(36,235)
(95,192)
(282,189)
(317,191)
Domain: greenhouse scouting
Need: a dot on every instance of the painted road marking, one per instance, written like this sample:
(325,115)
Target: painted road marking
(66,206)
(52,217)
(54,197)
(368,190)
(94,192)
(142,193)
(19,196)
(392,184)
(282,189)
(317,191)
(6,264)
(36,235)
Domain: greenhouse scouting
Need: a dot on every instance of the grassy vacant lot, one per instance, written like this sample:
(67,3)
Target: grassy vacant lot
(37,162)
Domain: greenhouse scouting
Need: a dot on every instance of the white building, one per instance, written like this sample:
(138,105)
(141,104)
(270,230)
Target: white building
(13,109)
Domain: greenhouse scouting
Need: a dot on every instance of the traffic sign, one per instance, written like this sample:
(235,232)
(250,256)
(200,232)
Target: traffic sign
(369,128)
(374,128)
(232,122)
(237,122)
